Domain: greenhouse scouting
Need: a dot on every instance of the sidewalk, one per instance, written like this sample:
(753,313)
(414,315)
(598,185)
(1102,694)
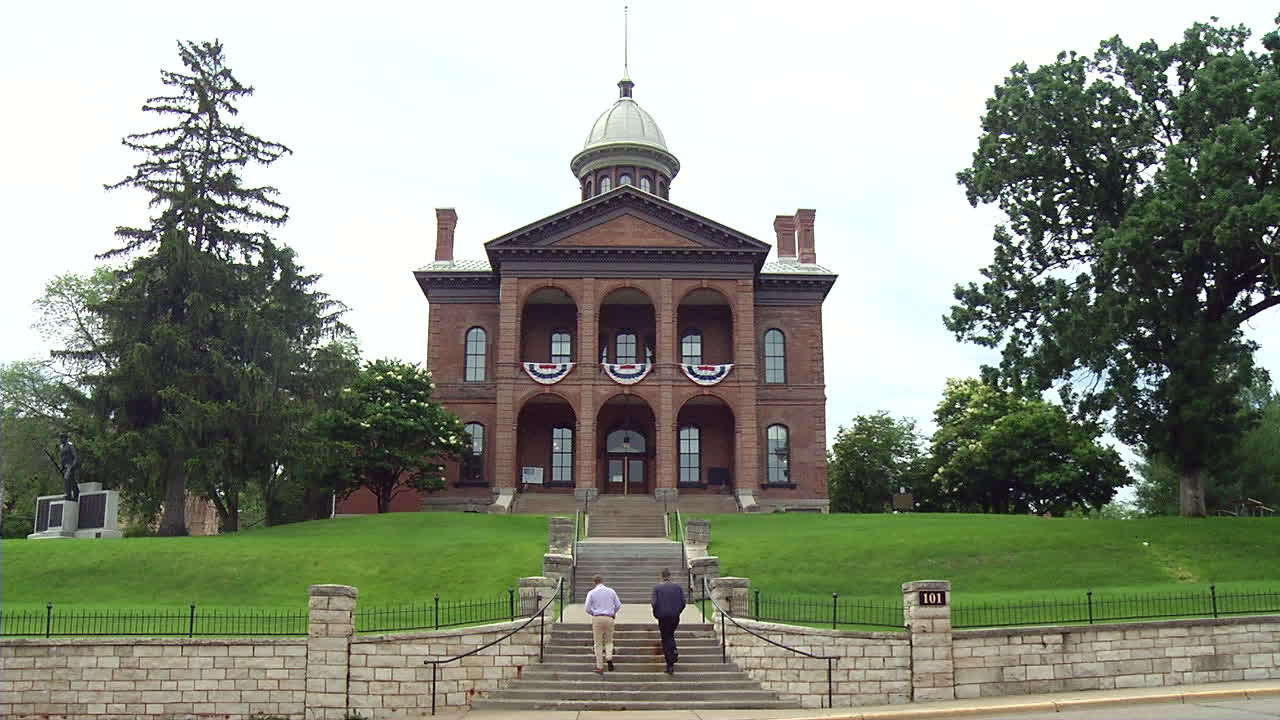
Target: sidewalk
(1057,702)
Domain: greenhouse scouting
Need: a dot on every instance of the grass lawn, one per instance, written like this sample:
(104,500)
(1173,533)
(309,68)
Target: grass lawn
(992,558)
(397,558)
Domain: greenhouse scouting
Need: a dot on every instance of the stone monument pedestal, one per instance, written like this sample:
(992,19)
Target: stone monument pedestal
(95,515)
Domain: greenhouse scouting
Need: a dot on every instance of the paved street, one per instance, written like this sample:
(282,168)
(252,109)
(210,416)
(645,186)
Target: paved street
(1257,709)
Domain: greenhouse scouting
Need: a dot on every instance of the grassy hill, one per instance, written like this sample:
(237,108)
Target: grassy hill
(991,557)
(408,557)
(395,558)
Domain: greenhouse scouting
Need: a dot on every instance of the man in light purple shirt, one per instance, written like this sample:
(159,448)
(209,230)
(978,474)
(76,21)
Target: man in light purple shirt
(602,605)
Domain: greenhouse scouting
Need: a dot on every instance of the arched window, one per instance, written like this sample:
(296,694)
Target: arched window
(775,357)
(606,184)
(778,452)
(625,440)
(645,185)
(562,455)
(625,348)
(624,180)
(691,347)
(561,346)
(588,187)
(690,454)
(472,466)
(477,348)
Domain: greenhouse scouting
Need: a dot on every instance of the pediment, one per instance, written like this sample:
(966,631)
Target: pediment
(626,230)
(625,218)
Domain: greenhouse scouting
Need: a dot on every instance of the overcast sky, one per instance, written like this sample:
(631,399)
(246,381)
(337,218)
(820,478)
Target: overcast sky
(862,112)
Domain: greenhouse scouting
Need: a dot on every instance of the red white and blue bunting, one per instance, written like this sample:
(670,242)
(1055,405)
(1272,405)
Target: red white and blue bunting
(547,373)
(706,374)
(626,374)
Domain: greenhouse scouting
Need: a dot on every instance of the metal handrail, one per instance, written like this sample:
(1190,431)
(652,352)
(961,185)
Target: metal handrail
(559,593)
(724,646)
(573,569)
(684,551)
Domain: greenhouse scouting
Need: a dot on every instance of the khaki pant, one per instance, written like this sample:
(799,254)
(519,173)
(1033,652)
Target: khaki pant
(602,637)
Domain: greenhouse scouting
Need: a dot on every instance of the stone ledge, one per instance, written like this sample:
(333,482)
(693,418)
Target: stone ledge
(768,627)
(333,591)
(502,627)
(967,634)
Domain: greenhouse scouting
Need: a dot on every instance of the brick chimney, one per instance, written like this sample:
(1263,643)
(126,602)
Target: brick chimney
(804,236)
(446,222)
(785,227)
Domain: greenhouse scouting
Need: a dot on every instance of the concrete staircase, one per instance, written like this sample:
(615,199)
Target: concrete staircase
(630,568)
(637,516)
(565,681)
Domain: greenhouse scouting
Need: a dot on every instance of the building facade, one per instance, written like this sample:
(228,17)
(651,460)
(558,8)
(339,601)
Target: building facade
(626,345)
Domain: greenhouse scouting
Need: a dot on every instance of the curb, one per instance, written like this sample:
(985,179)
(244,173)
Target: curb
(1053,706)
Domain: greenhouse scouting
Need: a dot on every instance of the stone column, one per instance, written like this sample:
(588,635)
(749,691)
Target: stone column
(932,667)
(698,531)
(559,534)
(730,593)
(747,473)
(588,373)
(330,627)
(507,346)
(556,566)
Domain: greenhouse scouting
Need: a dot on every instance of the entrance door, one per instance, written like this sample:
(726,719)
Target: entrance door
(625,462)
(626,475)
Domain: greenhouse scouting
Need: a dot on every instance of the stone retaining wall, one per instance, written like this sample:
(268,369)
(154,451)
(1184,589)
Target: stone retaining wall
(1104,657)
(875,668)
(138,677)
(323,676)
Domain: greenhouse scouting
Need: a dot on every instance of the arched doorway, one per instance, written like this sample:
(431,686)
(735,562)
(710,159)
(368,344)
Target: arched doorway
(626,446)
(546,444)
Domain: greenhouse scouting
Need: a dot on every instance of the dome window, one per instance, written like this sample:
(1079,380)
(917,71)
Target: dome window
(645,185)
(624,180)
(605,184)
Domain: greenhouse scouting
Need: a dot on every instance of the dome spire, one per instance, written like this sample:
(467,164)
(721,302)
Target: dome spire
(625,84)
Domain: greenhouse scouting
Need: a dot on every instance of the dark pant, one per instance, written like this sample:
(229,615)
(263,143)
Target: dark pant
(667,626)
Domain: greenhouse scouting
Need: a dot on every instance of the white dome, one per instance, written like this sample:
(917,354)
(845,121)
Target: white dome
(625,123)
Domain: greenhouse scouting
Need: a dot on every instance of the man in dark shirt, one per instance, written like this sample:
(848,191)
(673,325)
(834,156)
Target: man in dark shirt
(668,603)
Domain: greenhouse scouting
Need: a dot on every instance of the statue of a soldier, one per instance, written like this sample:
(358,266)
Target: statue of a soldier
(70,462)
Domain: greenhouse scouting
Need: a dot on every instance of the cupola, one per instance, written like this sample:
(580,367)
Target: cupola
(625,147)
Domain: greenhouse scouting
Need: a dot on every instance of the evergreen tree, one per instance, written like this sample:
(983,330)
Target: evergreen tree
(171,324)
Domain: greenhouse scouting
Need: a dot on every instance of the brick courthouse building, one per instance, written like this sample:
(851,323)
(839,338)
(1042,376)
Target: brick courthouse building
(626,345)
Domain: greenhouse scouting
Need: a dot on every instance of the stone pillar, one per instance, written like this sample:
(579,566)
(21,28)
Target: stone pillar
(703,568)
(559,534)
(730,593)
(534,592)
(587,372)
(747,440)
(698,531)
(932,667)
(330,627)
(505,348)
(556,566)
(666,355)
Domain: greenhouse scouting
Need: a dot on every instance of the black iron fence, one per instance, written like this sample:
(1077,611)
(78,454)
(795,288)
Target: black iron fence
(1091,607)
(191,621)
(834,612)
(437,614)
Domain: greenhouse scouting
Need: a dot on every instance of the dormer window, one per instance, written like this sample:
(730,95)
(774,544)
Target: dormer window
(605,184)
(645,185)
(624,180)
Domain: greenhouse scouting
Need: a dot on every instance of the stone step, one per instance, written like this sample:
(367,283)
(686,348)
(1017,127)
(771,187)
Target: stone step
(623,667)
(770,702)
(623,693)
(539,673)
(611,681)
(584,657)
(633,646)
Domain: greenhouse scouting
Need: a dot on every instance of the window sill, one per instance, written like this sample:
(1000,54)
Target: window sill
(701,485)
(558,484)
(789,485)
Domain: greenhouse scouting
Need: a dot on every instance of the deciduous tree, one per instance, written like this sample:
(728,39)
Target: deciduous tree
(393,436)
(1141,190)
(871,457)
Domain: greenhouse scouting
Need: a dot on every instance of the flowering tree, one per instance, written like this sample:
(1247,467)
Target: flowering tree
(388,433)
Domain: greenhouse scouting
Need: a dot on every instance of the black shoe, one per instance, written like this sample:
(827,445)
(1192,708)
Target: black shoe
(671,669)
(609,664)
